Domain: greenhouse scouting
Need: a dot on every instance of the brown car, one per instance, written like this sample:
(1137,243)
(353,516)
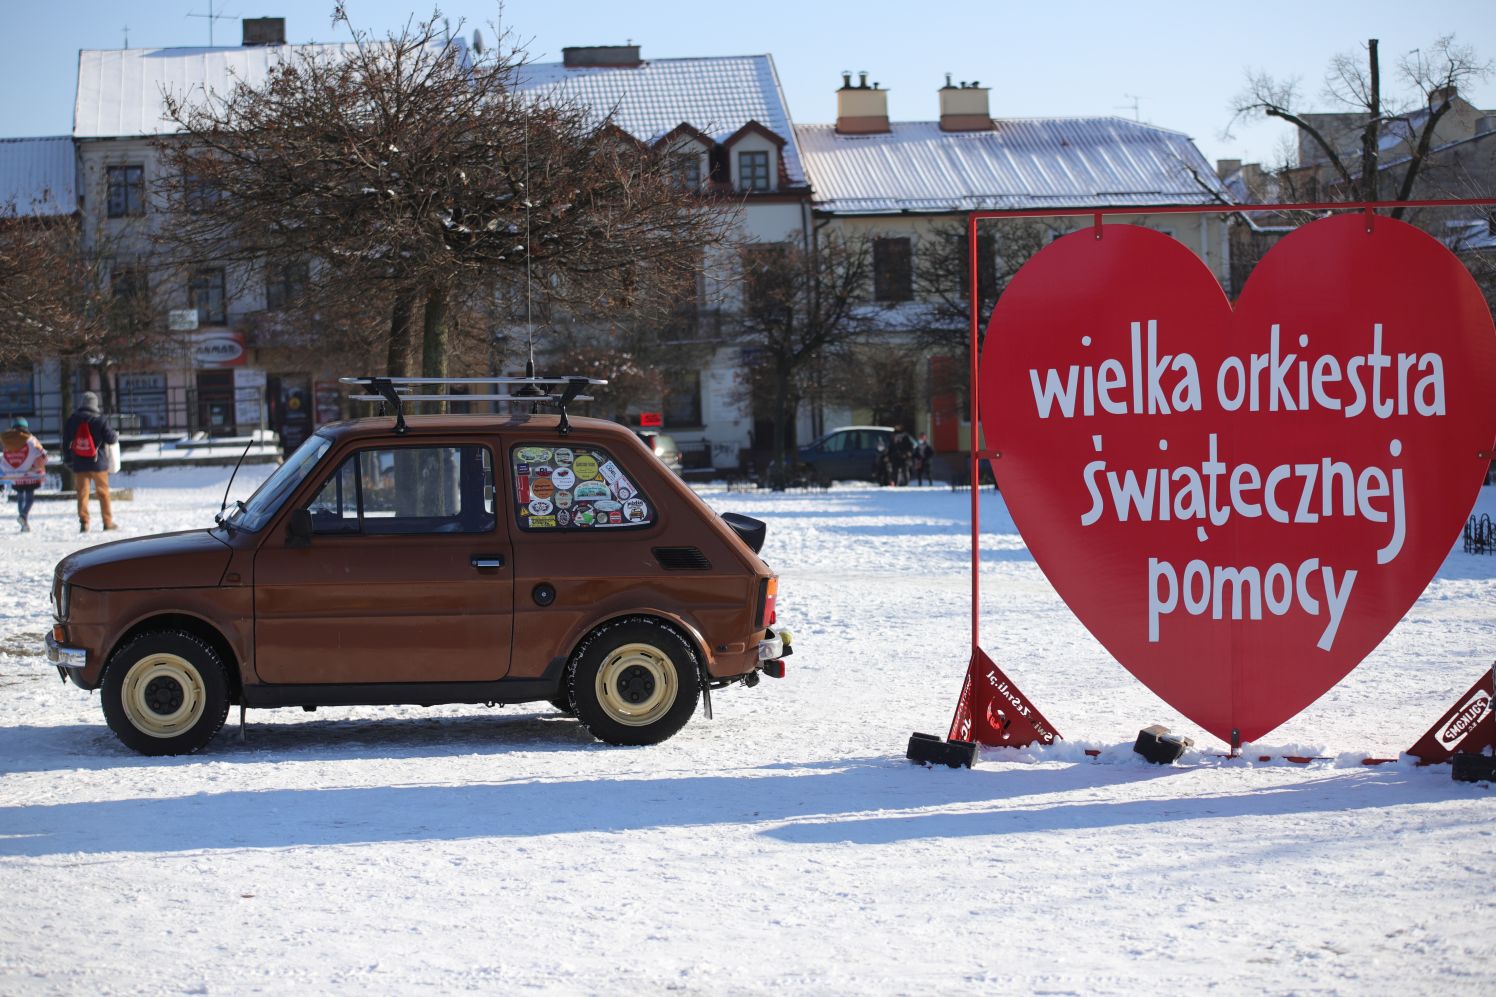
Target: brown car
(453,559)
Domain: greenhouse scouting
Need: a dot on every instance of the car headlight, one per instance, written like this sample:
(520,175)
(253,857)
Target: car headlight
(61,599)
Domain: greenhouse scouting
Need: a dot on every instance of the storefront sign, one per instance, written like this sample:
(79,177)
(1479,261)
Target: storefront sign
(648,419)
(219,348)
(1241,504)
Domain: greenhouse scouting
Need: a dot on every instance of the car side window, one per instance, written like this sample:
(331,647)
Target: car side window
(563,489)
(836,442)
(408,490)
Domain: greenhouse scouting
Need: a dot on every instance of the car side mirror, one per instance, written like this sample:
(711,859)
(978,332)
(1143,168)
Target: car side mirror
(299,528)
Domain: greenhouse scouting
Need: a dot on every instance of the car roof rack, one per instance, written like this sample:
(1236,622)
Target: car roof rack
(395,391)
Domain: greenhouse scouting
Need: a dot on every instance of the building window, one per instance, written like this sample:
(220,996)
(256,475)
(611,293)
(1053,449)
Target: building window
(130,291)
(206,293)
(753,170)
(126,191)
(285,283)
(686,168)
(767,286)
(200,194)
(892,270)
(986,265)
(682,402)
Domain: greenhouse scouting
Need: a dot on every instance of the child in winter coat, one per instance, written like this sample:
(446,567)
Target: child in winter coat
(23,466)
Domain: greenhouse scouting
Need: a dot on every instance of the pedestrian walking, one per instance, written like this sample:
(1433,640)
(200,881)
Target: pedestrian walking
(924,457)
(901,454)
(83,442)
(23,466)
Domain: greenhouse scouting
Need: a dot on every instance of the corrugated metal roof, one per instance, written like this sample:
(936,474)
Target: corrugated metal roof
(120,90)
(716,95)
(38,176)
(1022,163)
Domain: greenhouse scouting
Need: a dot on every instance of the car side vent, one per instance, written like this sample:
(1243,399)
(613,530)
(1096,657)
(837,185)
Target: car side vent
(681,559)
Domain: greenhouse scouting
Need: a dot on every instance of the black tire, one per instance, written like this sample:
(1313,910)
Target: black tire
(562,700)
(634,681)
(165,692)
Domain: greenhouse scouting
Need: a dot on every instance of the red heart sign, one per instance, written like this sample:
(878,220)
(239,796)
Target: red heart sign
(1241,504)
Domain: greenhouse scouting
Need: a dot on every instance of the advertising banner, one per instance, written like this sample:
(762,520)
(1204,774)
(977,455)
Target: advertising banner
(217,348)
(1241,503)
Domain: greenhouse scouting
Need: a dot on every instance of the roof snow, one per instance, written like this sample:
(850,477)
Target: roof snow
(38,176)
(716,95)
(1021,163)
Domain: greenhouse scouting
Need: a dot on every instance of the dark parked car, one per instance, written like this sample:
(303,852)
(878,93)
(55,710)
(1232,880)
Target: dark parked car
(848,453)
(663,446)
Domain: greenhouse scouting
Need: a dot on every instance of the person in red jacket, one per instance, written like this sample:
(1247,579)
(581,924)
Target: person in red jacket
(23,466)
(83,441)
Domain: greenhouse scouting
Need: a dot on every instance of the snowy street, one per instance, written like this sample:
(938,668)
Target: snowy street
(784,847)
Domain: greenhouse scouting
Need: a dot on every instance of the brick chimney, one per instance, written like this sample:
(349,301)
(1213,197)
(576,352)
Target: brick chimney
(964,108)
(264,31)
(861,109)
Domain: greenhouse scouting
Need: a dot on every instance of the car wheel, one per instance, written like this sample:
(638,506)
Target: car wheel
(165,693)
(635,681)
(562,702)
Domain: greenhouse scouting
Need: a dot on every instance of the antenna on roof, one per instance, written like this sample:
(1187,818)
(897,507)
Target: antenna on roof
(1134,106)
(210,17)
(127,35)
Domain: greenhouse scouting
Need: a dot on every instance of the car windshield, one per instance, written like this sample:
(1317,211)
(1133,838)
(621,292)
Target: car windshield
(267,498)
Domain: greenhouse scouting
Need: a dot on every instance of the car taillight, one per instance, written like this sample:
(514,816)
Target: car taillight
(768,588)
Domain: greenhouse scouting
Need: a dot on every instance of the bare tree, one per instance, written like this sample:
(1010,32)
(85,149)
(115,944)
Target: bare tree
(942,280)
(67,297)
(798,304)
(417,168)
(1350,143)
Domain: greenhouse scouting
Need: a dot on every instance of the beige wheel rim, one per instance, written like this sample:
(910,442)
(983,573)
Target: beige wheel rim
(163,695)
(636,684)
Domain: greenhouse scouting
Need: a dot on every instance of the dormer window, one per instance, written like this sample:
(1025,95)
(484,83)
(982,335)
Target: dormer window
(686,169)
(753,170)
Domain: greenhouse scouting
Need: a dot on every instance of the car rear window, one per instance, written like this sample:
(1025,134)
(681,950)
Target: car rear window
(574,488)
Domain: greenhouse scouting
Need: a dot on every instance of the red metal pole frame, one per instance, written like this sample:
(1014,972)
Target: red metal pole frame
(973,394)
(973,217)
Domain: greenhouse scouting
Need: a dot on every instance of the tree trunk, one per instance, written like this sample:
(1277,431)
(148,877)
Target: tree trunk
(434,339)
(65,407)
(1371,137)
(401,334)
(778,473)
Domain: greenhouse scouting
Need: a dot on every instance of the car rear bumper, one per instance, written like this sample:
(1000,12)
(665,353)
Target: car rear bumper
(775,646)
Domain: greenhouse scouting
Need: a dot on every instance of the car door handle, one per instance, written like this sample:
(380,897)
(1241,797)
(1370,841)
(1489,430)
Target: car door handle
(481,561)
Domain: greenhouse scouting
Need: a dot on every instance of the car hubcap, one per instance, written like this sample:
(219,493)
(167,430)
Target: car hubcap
(636,684)
(163,695)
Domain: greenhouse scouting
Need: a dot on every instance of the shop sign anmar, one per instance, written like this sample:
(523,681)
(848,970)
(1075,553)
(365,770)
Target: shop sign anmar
(1241,503)
(219,348)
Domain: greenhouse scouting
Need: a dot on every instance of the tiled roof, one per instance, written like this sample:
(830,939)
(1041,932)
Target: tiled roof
(38,176)
(1021,163)
(120,91)
(715,95)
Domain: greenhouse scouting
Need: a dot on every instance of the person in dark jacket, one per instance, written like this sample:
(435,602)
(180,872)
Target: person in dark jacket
(901,454)
(83,441)
(924,458)
(23,466)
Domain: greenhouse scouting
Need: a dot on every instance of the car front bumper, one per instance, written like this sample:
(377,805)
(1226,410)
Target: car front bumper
(66,659)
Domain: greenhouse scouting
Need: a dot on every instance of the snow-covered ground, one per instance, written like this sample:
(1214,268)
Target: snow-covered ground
(784,847)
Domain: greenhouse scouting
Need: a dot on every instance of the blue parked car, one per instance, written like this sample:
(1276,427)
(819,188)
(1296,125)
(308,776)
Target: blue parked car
(847,453)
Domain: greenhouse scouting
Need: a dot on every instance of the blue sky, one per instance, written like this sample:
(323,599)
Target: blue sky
(1182,61)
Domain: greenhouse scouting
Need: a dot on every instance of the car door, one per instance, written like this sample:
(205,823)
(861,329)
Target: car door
(407,579)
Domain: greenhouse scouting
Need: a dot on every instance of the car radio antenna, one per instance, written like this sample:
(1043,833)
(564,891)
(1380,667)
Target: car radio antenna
(234,474)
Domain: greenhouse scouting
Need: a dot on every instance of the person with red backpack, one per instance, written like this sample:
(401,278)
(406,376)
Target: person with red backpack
(83,442)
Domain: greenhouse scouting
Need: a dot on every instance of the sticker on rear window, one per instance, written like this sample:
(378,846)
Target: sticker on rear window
(575,488)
